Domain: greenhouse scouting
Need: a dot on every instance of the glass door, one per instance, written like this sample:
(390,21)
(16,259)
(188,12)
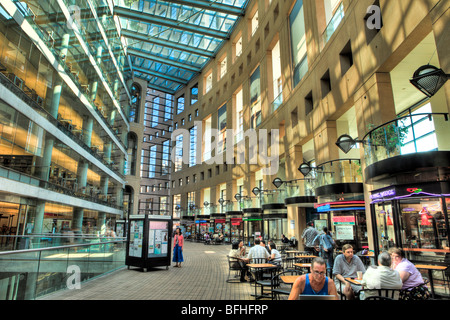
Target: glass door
(385,227)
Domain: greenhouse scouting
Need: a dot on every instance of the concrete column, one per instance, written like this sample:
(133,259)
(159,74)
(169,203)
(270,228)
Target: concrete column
(82,175)
(77,219)
(57,88)
(45,161)
(88,124)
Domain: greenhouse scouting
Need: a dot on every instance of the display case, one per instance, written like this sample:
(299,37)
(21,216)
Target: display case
(149,241)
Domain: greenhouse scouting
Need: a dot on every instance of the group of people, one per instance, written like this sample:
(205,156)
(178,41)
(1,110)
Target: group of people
(393,271)
(259,251)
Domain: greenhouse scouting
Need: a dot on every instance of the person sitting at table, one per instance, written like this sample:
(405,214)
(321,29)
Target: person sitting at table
(257,252)
(380,277)
(284,239)
(314,283)
(275,255)
(235,253)
(411,277)
(346,265)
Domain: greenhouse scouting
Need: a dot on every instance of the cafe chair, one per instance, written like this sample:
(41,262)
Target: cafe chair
(234,266)
(272,283)
(419,292)
(378,298)
(392,294)
(283,290)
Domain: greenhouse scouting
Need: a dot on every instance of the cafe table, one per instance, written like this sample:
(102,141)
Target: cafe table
(354,281)
(430,269)
(289,252)
(289,279)
(304,258)
(302,265)
(260,268)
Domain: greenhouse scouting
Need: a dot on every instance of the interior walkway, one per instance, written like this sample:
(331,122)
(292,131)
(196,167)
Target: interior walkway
(202,277)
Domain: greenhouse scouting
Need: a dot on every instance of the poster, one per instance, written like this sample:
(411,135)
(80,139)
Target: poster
(158,239)
(136,238)
(344,232)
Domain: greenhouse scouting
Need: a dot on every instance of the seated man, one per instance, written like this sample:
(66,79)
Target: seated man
(257,252)
(381,277)
(314,283)
(346,265)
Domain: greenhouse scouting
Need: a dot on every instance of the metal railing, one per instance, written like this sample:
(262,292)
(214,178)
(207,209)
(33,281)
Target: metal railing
(33,273)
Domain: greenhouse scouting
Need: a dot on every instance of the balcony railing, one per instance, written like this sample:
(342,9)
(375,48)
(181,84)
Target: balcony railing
(48,269)
(273,196)
(420,132)
(300,187)
(339,171)
(333,24)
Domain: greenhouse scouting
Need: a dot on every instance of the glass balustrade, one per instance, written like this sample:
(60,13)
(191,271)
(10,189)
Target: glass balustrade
(339,171)
(405,135)
(38,272)
(273,196)
(300,188)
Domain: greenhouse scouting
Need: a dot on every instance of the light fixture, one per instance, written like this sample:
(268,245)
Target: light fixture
(206,203)
(277,182)
(238,196)
(222,201)
(429,79)
(305,168)
(256,191)
(346,143)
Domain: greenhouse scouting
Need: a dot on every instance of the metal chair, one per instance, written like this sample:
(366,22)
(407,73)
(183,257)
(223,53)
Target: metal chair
(234,265)
(392,294)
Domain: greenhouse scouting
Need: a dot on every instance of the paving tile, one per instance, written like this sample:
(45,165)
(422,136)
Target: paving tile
(202,277)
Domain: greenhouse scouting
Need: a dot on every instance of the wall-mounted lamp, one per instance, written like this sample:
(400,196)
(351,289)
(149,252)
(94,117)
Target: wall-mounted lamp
(346,143)
(305,168)
(206,203)
(277,182)
(222,201)
(256,191)
(429,79)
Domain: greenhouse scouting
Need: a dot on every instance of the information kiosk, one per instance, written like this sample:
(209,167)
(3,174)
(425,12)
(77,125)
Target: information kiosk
(149,241)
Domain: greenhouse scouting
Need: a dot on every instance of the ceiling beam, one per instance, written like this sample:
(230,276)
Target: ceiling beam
(173,63)
(170,23)
(213,6)
(155,87)
(160,75)
(166,43)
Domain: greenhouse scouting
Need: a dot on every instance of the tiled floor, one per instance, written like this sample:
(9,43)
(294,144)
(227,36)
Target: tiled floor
(202,277)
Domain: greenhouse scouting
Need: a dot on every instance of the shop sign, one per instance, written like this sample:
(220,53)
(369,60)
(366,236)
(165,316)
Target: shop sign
(383,194)
(349,220)
(219,220)
(236,221)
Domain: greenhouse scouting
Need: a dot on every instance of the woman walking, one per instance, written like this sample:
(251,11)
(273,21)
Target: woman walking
(178,242)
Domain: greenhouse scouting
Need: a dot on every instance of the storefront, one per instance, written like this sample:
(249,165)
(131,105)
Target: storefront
(202,225)
(253,226)
(415,218)
(346,220)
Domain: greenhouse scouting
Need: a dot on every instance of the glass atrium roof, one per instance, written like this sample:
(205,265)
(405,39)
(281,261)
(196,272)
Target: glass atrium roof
(169,42)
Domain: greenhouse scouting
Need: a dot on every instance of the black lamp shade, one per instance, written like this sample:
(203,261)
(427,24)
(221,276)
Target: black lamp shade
(429,79)
(304,168)
(345,143)
(238,196)
(256,191)
(277,182)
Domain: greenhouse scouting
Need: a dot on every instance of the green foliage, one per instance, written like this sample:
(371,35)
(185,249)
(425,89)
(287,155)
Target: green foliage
(390,136)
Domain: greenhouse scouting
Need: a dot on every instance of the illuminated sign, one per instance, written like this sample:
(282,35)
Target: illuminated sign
(383,194)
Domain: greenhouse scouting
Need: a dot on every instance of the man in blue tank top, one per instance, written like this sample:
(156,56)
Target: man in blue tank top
(314,283)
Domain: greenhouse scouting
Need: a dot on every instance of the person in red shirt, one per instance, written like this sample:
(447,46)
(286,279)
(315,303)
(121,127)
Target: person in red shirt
(178,242)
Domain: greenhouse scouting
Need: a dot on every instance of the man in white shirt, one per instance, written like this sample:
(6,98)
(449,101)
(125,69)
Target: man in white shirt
(257,252)
(381,277)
